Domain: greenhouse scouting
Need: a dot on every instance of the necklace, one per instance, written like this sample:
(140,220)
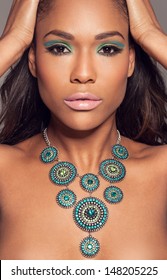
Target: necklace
(90,213)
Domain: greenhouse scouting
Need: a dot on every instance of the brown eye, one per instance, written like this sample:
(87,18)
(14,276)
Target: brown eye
(109,50)
(58,50)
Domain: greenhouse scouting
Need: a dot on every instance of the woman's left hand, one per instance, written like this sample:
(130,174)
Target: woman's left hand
(146,30)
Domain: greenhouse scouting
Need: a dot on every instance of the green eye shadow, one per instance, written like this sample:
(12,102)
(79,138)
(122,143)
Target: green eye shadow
(113,43)
(54,42)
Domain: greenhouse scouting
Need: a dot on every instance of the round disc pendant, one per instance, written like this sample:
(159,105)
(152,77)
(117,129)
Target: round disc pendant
(90,214)
(66,198)
(63,173)
(49,154)
(89,247)
(89,182)
(113,194)
(112,170)
(120,152)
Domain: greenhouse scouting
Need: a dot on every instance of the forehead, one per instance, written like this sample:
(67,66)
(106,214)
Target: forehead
(83,17)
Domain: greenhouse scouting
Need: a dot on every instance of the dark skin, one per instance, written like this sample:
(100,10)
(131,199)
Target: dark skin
(33,225)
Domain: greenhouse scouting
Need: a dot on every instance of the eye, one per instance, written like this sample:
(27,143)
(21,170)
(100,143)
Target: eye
(109,50)
(59,49)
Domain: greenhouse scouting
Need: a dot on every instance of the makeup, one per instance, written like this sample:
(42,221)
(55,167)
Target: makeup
(51,43)
(110,44)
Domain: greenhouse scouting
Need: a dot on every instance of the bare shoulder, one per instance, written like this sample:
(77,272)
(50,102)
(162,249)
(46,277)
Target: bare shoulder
(152,156)
(11,156)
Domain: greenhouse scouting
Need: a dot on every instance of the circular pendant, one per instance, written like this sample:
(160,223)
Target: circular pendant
(90,214)
(120,152)
(113,194)
(89,182)
(63,173)
(66,198)
(49,154)
(112,170)
(89,247)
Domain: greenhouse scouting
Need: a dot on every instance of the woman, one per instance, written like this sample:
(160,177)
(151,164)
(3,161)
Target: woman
(93,193)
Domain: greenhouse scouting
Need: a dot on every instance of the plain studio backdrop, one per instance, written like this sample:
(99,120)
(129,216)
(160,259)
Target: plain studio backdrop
(160,7)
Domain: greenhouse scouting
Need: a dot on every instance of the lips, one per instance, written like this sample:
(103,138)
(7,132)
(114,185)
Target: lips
(82,101)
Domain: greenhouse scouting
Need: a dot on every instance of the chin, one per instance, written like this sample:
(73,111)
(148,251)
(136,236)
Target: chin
(75,126)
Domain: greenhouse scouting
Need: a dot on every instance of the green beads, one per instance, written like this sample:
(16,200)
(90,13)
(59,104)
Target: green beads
(113,194)
(49,154)
(90,214)
(89,247)
(63,173)
(66,198)
(112,170)
(120,152)
(89,182)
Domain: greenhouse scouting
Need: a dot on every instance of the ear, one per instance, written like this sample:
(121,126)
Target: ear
(32,61)
(131,61)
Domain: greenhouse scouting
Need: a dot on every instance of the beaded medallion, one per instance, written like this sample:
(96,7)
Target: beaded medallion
(66,198)
(112,170)
(113,194)
(89,247)
(90,214)
(120,152)
(49,154)
(63,173)
(89,182)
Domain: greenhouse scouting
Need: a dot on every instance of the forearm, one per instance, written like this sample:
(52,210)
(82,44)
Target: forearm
(155,44)
(18,33)
(10,52)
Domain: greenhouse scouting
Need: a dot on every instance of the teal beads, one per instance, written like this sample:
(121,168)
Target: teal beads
(112,170)
(113,194)
(90,214)
(120,152)
(66,198)
(89,247)
(49,154)
(63,173)
(89,182)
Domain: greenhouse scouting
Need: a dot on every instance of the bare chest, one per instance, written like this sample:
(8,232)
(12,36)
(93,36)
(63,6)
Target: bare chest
(34,226)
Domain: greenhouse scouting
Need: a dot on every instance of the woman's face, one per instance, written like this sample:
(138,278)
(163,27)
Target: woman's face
(82,61)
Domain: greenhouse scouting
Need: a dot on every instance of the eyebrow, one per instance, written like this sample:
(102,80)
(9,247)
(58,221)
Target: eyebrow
(105,35)
(69,36)
(61,34)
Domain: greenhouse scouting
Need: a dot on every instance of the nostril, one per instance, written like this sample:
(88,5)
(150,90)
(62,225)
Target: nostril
(82,81)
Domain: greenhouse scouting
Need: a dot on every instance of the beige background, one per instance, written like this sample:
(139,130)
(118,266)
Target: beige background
(160,7)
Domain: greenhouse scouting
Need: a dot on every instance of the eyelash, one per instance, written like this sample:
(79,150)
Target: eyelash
(115,50)
(56,46)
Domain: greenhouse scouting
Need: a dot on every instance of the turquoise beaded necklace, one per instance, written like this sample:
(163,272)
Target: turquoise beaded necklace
(90,213)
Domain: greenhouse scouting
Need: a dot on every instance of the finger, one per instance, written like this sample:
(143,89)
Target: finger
(152,13)
(10,17)
(141,10)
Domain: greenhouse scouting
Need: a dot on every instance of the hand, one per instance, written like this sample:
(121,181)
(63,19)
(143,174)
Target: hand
(18,32)
(146,30)
(142,19)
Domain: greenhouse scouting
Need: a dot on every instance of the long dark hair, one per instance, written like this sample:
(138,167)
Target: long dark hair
(142,115)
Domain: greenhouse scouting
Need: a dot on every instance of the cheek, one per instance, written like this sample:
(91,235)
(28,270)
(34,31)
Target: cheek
(50,78)
(114,77)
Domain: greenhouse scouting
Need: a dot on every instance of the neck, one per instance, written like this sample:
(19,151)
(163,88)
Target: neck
(83,148)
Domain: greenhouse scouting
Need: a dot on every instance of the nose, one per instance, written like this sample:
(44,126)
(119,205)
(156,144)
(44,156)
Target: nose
(83,70)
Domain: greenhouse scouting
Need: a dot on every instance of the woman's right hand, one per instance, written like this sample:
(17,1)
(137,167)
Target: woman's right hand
(146,29)
(18,32)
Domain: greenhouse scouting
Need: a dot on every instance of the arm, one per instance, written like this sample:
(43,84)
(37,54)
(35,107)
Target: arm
(146,30)
(18,32)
